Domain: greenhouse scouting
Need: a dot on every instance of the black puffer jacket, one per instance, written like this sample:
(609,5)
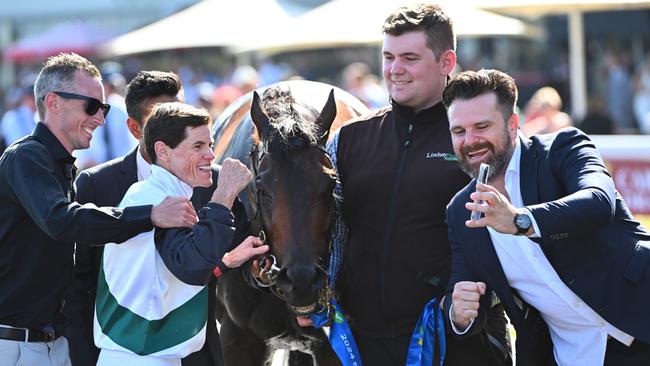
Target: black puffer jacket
(398,172)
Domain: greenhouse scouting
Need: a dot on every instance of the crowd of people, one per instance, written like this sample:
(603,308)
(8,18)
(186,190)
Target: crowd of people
(118,264)
(619,104)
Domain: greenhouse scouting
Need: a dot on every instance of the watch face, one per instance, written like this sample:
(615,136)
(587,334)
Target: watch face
(523,222)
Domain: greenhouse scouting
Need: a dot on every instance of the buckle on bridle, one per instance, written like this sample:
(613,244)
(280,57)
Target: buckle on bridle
(324,298)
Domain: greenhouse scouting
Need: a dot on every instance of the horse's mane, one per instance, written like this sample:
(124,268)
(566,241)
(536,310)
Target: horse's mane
(293,123)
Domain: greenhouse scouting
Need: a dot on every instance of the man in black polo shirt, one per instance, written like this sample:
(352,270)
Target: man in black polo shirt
(38,221)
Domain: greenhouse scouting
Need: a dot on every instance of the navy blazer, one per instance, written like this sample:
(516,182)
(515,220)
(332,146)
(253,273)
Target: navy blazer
(105,185)
(587,233)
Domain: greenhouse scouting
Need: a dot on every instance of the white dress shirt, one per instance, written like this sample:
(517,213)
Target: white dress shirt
(579,334)
(144,168)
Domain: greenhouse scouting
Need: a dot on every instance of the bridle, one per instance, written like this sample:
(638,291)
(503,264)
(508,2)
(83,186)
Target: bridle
(269,277)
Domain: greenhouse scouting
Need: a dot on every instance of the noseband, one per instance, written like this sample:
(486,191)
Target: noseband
(270,276)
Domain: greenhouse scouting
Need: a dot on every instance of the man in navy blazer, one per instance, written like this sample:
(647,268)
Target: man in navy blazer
(105,185)
(556,242)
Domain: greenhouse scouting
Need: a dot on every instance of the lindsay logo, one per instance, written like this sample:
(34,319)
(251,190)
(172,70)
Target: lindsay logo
(442,156)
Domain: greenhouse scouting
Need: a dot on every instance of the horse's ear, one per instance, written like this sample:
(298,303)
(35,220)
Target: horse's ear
(260,119)
(326,117)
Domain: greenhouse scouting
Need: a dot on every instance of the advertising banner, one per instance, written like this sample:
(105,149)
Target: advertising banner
(628,161)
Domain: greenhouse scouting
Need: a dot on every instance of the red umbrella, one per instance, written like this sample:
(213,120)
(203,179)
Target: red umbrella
(79,37)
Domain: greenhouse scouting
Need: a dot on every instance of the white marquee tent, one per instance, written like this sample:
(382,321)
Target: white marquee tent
(352,22)
(210,23)
(275,25)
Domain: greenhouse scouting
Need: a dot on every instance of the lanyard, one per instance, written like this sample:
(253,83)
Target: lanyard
(340,336)
(430,327)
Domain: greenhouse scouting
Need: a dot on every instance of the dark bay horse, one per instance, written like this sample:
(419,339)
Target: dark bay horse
(282,137)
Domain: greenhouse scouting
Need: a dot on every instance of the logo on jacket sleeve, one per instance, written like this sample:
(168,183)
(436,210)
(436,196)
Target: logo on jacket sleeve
(441,156)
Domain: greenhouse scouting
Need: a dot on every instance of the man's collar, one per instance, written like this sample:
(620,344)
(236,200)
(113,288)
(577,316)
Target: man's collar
(515,159)
(53,145)
(161,174)
(142,166)
(427,114)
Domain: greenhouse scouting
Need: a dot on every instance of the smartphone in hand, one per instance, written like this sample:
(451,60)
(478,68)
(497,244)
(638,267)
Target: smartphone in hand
(483,173)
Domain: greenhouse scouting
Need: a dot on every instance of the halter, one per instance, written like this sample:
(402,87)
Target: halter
(270,276)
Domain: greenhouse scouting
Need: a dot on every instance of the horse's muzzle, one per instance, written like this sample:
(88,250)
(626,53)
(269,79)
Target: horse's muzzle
(300,287)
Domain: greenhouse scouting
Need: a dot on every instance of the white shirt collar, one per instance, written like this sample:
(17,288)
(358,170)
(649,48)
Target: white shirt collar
(144,168)
(511,179)
(163,177)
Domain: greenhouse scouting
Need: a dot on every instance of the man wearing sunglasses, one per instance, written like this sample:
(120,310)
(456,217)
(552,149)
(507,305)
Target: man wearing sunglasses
(39,222)
(91,106)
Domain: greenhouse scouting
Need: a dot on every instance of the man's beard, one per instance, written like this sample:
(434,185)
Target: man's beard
(497,162)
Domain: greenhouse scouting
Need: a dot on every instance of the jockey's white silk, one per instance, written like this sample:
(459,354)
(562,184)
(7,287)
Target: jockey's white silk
(136,288)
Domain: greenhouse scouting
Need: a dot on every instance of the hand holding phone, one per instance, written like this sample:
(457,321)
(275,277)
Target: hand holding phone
(483,173)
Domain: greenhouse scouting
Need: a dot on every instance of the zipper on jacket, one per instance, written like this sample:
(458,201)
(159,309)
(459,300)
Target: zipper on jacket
(391,214)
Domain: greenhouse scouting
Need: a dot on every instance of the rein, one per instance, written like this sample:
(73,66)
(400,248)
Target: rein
(270,276)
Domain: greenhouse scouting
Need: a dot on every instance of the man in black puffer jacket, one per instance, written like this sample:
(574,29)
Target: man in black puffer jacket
(397,173)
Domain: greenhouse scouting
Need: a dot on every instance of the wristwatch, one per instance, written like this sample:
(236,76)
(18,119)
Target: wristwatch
(522,223)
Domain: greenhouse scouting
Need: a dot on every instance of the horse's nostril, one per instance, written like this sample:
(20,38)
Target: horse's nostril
(298,277)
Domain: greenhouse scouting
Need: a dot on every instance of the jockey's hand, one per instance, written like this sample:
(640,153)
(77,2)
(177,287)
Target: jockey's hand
(304,321)
(233,177)
(251,246)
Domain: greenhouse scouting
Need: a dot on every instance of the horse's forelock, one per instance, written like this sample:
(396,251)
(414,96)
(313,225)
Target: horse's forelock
(289,129)
(278,104)
(292,129)
(290,120)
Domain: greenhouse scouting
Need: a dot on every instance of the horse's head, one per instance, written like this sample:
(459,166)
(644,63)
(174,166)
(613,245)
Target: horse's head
(294,193)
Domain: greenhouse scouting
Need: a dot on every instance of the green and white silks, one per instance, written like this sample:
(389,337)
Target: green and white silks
(141,307)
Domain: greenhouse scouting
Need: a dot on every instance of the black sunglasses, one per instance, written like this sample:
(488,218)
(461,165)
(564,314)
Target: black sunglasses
(92,104)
